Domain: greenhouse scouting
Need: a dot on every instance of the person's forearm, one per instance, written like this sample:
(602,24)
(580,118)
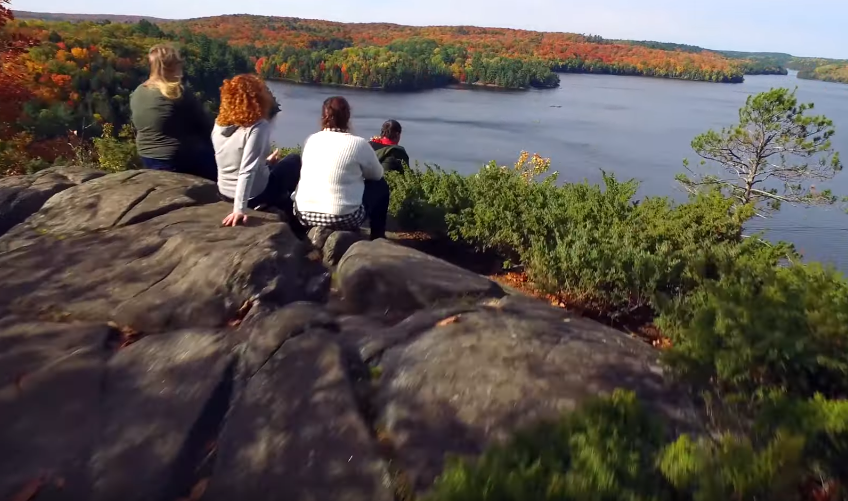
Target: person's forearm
(243,186)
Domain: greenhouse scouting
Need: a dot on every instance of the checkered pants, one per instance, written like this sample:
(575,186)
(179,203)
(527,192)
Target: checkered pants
(347,222)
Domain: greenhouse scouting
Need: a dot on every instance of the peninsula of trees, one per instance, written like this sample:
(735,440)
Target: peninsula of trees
(398,57)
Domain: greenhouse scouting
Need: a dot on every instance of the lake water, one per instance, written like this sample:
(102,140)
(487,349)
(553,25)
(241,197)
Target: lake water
(635,127)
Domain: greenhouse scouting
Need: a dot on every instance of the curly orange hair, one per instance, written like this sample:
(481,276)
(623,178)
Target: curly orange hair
(244,101)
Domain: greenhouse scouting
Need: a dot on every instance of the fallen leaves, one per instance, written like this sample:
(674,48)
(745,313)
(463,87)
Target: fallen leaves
(29,490)
(128,335)
(662,343)
(198,490)
(448,321)
(241,314)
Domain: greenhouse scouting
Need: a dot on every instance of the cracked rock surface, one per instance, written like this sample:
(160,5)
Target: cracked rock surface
(21,196)
(147,353)
(146,249)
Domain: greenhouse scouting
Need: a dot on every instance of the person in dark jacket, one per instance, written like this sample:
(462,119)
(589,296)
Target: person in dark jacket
(392,156)
(173,129)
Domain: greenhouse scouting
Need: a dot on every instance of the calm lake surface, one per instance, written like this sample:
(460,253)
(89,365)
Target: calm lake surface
(635,127)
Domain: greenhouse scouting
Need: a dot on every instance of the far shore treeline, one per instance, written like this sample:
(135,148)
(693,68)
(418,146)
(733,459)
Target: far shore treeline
(396,57)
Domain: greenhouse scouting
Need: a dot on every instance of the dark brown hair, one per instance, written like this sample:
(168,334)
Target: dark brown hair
(391,129)
(335,114)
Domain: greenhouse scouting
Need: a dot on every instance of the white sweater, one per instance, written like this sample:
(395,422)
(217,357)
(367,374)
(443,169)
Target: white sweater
(335,165)
(241,154)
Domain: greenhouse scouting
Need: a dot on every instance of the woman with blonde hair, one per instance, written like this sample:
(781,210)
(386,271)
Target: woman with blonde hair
(249,174)
(172,126)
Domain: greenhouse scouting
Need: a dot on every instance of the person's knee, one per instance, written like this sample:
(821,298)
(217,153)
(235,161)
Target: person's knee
(380,189)
(292,160)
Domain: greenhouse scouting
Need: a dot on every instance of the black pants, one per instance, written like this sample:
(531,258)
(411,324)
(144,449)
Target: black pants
(198,160)
(282,181)
(375,199)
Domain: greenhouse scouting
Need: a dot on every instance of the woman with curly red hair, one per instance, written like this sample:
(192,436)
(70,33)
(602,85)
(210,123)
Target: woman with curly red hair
(249,175)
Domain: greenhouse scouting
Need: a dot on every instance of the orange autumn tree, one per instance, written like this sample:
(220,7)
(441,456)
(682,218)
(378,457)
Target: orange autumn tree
(314,42)
(14,92)
(63,84)
(13,89)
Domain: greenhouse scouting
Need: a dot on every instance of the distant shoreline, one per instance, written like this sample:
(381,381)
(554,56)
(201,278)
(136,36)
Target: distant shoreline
(489,87)
(465,86)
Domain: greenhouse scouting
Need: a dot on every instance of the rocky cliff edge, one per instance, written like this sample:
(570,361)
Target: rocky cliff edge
(147,353)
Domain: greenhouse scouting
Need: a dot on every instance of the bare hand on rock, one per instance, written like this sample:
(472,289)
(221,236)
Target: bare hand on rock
(234,219)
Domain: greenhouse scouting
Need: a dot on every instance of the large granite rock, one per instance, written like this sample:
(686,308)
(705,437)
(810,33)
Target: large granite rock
(296,433)
(472,379)
(21,196)
(265,330)
(165,397)
(370,339)
(51,376)
(333,244)
(112,201)
(337,245)
(87,424)
(249,383)
(380,277)
(150,261)
(28,347)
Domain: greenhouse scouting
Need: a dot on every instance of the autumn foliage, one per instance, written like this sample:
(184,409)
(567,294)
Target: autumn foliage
(64,84)
(61,76)
(13,89)
(836,72)
(557,51)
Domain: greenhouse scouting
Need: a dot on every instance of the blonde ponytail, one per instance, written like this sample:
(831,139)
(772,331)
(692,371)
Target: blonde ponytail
(166,71)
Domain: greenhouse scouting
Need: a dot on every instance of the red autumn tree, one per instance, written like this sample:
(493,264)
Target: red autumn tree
(13,89)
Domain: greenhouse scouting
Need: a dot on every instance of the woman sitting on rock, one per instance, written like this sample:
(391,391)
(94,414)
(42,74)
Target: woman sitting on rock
(389,152)
(249,175)
(172,126)
(341,182)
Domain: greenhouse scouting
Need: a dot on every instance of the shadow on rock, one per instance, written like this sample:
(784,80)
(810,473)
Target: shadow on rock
(22,196)
(474,379)
(296,434)
(181,269)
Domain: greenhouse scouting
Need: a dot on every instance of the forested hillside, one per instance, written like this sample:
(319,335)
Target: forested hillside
(384,54)
(64,82)
(395,57)
(57,16)
(751,63)
(813,68)
(61,75)
(837,72)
